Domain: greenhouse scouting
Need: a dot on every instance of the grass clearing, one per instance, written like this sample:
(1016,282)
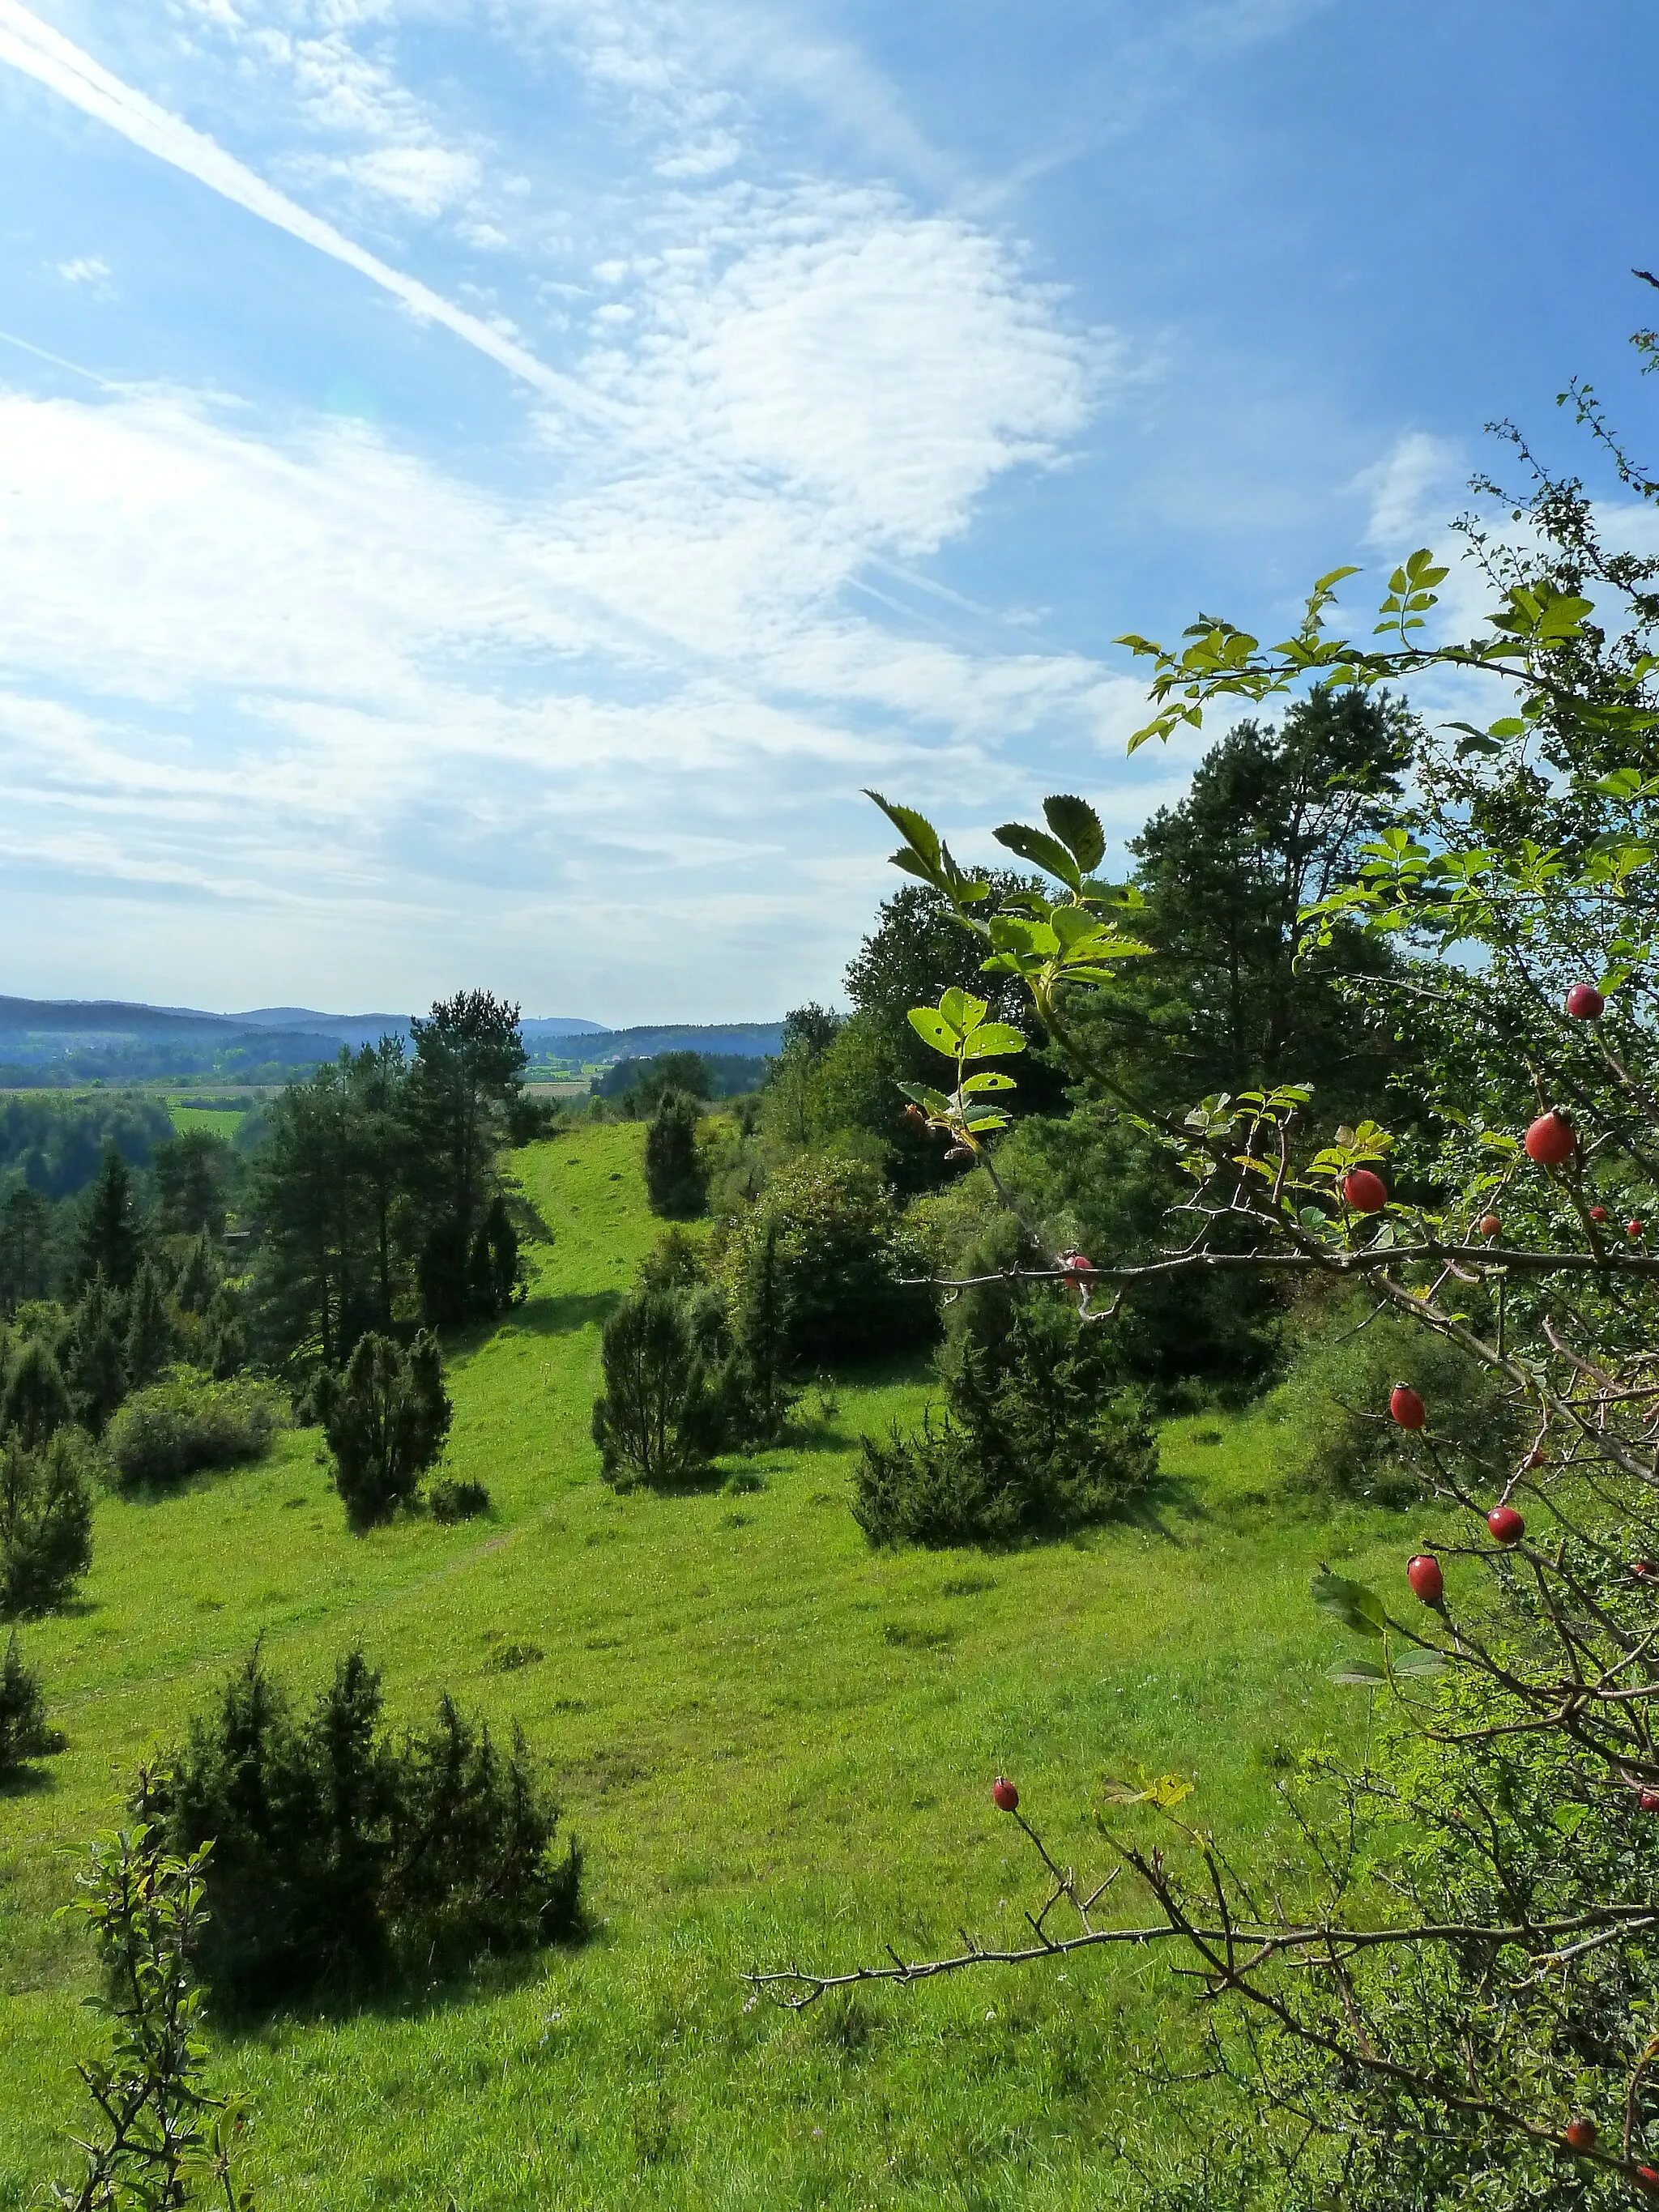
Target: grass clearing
(773,1744)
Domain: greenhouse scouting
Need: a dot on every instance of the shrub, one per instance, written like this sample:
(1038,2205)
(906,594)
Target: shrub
(660,1414)
(186,1424)
(1034,1441)
(342,1855)
(493,1263)
(675,1176)
(386,1423)
(23,1731)
(45,1523)
(837,1251)
(35,1403)
(457,1501)
(1332,1405)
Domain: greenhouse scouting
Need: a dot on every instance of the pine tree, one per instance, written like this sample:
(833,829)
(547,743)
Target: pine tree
(151,1338)
(386,1424)
(675,1176)
(94,1354)
(35,1402)
(109,1242)
(25,1261)
(23,1730)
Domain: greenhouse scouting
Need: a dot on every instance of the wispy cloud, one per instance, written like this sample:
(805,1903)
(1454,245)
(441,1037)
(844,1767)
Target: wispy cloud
(41,52)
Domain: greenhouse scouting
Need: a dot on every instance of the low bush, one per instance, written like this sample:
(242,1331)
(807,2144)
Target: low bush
(344,1857)
(1035,1440)
(45,1522)
(24,1734)
(457,1501)
(827,1233)
(385,1420)
(186,1424)
(661,1413)
(1332,1408)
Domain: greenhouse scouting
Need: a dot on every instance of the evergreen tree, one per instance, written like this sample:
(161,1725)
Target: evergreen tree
(493,1269)
(35,1402)
(224,1337)
(315,1269)
(46,1525)
(110,1241)
(469,1066)
(25,1248)
(386,1423)
(760,1391)
(660,1414)
(194,1176)
(93,1355)
(676,1178)
(200,1277)
(23,1731)
(151,1338)
(1272,823)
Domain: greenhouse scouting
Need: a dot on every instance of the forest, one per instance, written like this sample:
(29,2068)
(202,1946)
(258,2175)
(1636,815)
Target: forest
(1243,1267)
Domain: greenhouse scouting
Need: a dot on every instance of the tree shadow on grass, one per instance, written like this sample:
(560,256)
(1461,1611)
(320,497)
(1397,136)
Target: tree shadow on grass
(416,1997)
(29,1780)
(567,1311)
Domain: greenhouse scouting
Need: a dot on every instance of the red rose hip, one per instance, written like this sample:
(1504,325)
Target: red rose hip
(1004,1795)
(1585,1003)
(1508,1526)
(1365,1192)
(1490,1224)
(1579,2134)
(1075,1263)
(1405,1407)
(1424,1575)
(1550,1141)
(1598,1213)
(1635,1229)
(1649,1801)
(1649,2179)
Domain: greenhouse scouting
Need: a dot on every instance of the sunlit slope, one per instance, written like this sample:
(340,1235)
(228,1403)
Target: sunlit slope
(772,1743)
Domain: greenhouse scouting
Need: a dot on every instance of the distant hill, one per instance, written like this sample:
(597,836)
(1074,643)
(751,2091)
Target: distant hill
(70,1041)
(741,1040)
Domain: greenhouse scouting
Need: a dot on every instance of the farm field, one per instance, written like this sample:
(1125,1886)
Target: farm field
(773,1745)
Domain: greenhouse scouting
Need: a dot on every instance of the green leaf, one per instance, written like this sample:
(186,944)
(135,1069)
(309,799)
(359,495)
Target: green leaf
(991,1039)
(1417,1666)
(1077,825)
(1046,851)
(916,827)
(1351,1603)
(988,1078)
(933,1030)
(1359,1674)
(959,1010)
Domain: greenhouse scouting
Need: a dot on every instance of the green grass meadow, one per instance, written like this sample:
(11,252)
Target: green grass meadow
(773,1744)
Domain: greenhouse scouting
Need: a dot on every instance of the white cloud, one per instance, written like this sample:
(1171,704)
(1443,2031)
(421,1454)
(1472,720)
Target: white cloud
(1412,491)
(86,269)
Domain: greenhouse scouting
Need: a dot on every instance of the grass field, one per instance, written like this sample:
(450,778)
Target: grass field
(216,1121)
(773,1745)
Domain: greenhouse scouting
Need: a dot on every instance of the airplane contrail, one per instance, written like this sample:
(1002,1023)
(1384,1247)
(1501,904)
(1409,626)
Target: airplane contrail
(45,54)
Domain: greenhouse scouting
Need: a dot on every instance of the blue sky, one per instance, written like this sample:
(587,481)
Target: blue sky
(483,482)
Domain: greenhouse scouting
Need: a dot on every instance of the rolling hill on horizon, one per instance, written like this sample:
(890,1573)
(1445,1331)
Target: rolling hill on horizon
(52,1040)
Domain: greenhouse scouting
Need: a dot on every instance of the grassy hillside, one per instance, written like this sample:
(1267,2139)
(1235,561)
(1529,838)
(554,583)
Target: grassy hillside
(772,1743)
